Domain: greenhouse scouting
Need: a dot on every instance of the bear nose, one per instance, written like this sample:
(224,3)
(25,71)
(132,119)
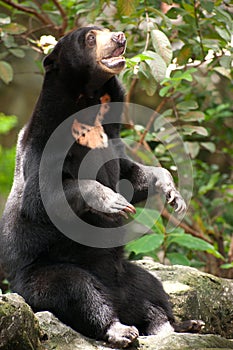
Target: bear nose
(119,38)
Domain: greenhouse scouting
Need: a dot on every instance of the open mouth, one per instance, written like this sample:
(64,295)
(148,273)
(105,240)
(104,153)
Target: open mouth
(115,59)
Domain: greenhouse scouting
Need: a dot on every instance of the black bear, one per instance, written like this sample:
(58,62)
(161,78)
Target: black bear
(94,290)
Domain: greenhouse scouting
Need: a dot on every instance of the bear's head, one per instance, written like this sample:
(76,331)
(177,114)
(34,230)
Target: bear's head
(88,54)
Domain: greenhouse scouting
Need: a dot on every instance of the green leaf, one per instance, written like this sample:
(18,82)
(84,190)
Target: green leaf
(193,243)
(145,243)
(164,91)
(187,105)
(147,81)
(126,8)
(184,54)
(9,41)
(193,116)
(223,16)
(7,122)
(223,33)
(162,45)
(191,129)
(178,259)
(189,8)
(174,12)
(210,146)
(207,5)
(17,53)
(138,58)
(225,61)
(157,65)
(227,266)
(223,71)
(169,2)
(7,164)
(186,75)
(6,72)
(14,28)
(193,148)
(210,185)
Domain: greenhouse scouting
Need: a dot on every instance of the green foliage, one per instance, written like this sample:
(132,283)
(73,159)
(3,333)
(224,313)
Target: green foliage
(9,31)
(151,243)
(7,122)
(7,155)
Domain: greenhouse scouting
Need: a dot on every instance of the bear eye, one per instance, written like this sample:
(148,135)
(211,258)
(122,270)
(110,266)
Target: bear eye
(91,39)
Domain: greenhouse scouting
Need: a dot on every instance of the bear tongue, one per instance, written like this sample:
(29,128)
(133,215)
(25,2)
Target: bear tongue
(115,53)
(118,52)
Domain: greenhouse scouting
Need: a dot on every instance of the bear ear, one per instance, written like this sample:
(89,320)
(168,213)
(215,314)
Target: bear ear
(51,61)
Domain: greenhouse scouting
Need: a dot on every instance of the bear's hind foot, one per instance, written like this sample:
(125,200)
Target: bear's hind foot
(121,335)
(190,326)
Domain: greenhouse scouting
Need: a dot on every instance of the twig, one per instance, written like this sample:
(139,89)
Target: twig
(32,31)
(230,254)
(152,119)
(165,213)
(128,120)
(147,31)
(61,29)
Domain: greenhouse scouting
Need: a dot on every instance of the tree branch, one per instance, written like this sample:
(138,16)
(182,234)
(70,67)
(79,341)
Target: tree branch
(43,19)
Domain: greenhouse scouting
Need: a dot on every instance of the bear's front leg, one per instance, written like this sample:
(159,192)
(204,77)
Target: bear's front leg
(148,180)
(90,195)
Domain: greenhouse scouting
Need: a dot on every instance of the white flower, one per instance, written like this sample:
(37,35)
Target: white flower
(47,43)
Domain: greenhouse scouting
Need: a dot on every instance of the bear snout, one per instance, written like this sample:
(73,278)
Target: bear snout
(119,38)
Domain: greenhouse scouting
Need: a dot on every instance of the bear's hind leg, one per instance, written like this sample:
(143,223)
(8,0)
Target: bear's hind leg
(146,305)
(143,302)
(77,298)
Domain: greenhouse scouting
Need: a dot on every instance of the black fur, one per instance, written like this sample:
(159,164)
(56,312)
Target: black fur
(94,290)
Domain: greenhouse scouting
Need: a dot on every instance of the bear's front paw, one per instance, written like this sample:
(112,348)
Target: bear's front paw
(120,335)
(174,198)
(117,204)
(109,202)
(165,184)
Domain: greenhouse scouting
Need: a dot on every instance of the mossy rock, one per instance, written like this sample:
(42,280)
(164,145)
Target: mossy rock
(197,295)
(19,329)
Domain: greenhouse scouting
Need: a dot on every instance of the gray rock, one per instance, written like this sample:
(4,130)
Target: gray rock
(197,295)
(19,329)
(62,337)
